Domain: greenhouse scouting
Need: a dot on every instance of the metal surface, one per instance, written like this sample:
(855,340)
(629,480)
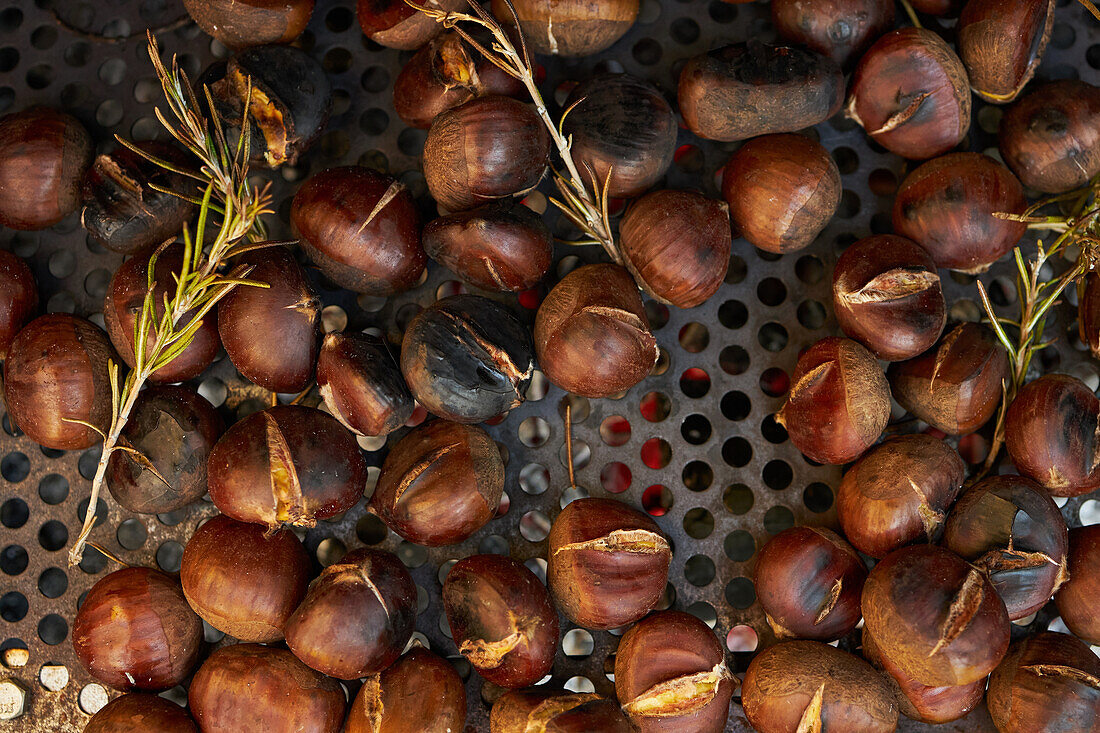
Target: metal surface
(694,444)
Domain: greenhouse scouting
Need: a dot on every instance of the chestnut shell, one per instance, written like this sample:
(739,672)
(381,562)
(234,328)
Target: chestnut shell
(421,691)
(1076,599)
(839,29)
(18,298)
(1001,44)
(238,23)
(361,384)
(139,712)
(569,27)
(557,711)
(395,24)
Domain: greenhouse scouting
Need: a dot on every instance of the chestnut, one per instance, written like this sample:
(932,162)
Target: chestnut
(948,206)
(569,27)
(750,89)
(239,24)
(18,298)
(467,358)
(286,465)
(361,384)
(500,246)
(396,24)
(815,687)
(175,429)
(839,402)
(782,191)
(937,7)
(1088,311)
(956,385)
(591,333)
(557,711)
(360,227)
(56,371)
(440,483)
(898,493)
(808,581)
(139,712)
(135,631)
(1076,599)
(419,692)
(488,148)
(839,29)
(244,580)
(911,94)
(43,156)
(935,617)
(888,297)
(1001,44)
(501,619)
(676,244)
(252,687)
(671,675)
(606,563)
(272,335)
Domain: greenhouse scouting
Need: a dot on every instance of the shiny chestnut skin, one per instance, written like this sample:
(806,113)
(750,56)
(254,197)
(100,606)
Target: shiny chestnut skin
(394,24)
(839,29)
(839,401)
(272,335)
(501,619)
(935,616)
(175,428)
(813,686)
(1076,599)
(18,298)
(286,465)
(254,687)
(591,333)
(139,712)
(750,89)
(56,369)
(888,297)
(419,692)
(569,27)
(673,654)
(243,580)
(911,94)
(361,384)
(135,631)
(361,228)
(556,711)
(782,190)
(956,385)
(43,156)
(899,493)
(1001,44)
(500,246)
(606,563)
(1088,311)
(937,7)
(808,581)
(440,483)
(239,24)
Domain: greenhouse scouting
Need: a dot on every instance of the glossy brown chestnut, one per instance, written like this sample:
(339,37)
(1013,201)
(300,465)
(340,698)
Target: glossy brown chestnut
(395,24)
(839,29)
(782,191)
(1088,311)
(501,619)
(569,27)
(55,371)
(935,616)
(671,675)
(955,386)
(1001,44)
(839,401)
(807,685)
(43,156)
(1076,599)
(556,711)
(252,22)
(606,563)
(252,687)
(139,712)
(676,244)
(592,336)
(135,631)
(911,94)
(361,384)
(18,298)
(360,227)
(937,7)
(440,483)
(286,465)
(419,692)
(243,580)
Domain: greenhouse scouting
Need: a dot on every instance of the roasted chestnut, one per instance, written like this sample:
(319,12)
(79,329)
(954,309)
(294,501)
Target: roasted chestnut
(501,619)
(839,29)
(937,7)
(252,22)
(569,27)
(419,692)
(396,24)
(18,298)
(1001,44)
(1076,599)
(440,483)
(557,711)
(839,402)
(139,712)
(1088,311)
(135,631)
(361,384)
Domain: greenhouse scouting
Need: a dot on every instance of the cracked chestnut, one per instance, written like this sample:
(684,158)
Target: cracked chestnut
(361,384)
(1076,599)
(139,712)
(1001,44)
(556,711)
(839,29)
(419,692)
(18,298)
(569,27)
(396,24)
(238,24)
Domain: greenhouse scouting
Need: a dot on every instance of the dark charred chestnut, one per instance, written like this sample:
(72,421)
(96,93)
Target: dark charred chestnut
(440,483)
(591,332)
(557,711)
(782,191)
(1001,44)
(1088,311)
(812,686)
(808,581)
(501,619)
(361,384)
(839,29)
(606,563)
(395,24)
(955,386)
(43,156)
(253,687)
(140,712)
(239,24)
(467,358)
(911,94)
(286,465)
(671,675)
(569,27)
(135,631)
(935,616)
(55,371)
(750,89)
(839,401)
(1076,599)
(419,692)
(18,298)
(501,246)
